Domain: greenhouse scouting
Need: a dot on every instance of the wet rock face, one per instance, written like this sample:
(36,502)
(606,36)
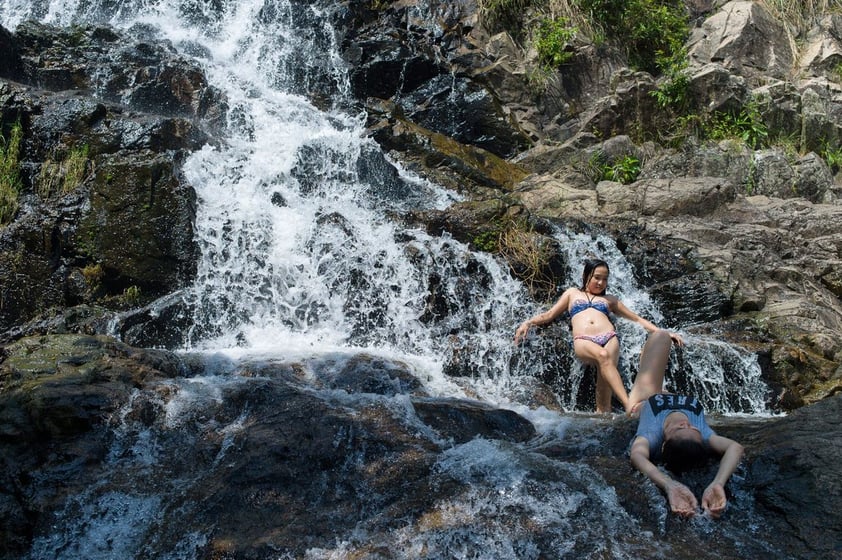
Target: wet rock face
(301,455)
(124,111)
(247,459)
(420,57)
(138,72)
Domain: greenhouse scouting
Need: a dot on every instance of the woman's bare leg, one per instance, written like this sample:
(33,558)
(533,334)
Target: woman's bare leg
(653,365)
(604,358)
(603,394)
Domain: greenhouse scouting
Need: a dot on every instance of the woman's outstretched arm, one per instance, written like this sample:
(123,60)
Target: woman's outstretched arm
(544,318)
(620,309)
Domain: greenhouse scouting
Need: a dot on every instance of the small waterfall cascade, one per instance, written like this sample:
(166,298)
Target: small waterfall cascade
(301,258)
(725,378)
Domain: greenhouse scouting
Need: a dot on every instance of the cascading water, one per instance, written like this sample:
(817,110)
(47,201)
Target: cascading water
(294,219)
(301,258)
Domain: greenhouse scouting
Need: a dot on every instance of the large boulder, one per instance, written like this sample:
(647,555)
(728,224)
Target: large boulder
(745,38)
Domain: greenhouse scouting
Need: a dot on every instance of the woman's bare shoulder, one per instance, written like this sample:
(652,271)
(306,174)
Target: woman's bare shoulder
(571,293)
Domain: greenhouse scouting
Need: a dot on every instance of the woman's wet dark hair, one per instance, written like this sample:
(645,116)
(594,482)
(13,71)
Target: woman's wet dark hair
(681,455)
(590,266)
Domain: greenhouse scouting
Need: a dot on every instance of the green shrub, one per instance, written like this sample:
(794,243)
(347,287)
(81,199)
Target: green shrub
(647,29)
(832,156)
(747,126)
(10,183)
(673,91)
(625,170)
(551,40)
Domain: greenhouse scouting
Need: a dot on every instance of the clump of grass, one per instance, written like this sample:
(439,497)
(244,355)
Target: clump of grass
(62,177)
(93,274)
(378,5)
(10,183)
(528,255)
(625,169)
(506,14)
(803,13)
(131,295)
(746,125)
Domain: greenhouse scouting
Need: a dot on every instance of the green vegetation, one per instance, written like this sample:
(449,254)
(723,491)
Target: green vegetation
(379,5)
(506,14)
(487,241)
(131,295)
(625,170)
(672,92)
(93,274)
(551,41)
(832,155)
(63,176)
(649,30)
(747,126)
(10,183)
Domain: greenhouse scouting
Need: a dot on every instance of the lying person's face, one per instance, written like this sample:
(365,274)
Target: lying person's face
(679,427)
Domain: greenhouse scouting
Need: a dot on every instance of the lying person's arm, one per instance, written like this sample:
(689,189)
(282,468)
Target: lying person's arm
(713,499)
(681,499)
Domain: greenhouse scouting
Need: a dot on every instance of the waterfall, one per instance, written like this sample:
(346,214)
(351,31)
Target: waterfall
(295,230)
(303,261)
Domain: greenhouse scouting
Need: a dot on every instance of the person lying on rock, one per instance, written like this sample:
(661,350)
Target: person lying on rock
(595,341)
(672,429)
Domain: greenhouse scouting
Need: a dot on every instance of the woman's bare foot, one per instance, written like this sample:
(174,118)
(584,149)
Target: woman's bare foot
(633,410)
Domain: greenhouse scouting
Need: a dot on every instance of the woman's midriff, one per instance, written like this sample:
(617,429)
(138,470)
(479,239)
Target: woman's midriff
(590,322)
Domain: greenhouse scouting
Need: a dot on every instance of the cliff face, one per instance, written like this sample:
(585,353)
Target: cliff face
(735,232)
(104,220)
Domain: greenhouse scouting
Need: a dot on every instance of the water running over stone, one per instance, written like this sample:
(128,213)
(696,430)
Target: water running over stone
(306,272)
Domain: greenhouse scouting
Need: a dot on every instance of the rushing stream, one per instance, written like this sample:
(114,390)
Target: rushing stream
(301,262)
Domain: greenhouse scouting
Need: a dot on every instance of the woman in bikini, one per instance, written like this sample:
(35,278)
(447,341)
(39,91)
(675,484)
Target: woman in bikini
(594,338)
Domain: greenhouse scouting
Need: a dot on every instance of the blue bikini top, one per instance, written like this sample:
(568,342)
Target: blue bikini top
(581,304)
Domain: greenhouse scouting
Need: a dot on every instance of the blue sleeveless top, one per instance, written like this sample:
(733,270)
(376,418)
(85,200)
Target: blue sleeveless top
(656,409)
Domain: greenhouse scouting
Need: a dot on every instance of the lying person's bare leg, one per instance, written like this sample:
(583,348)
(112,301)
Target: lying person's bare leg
(653,365)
